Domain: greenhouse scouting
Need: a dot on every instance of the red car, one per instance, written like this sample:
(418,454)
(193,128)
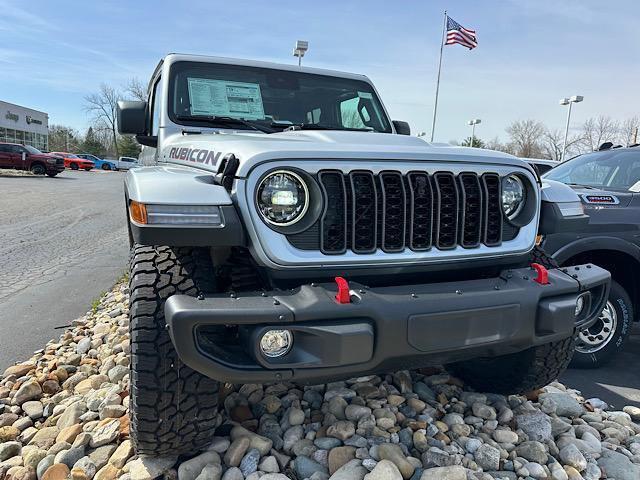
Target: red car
(74,162)
(26,157)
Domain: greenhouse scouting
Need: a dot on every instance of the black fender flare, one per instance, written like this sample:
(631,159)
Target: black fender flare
(587,244)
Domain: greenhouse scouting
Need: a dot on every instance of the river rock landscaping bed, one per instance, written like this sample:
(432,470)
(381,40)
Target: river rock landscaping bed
(64,415)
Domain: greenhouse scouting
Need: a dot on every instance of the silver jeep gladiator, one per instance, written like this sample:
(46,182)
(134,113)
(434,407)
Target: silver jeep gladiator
(283,228)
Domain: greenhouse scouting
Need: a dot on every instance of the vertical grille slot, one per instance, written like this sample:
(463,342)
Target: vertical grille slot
(421,211)
(471,211)
(493,223)
(333,224)
(394,215)
(390,211)
(446,210)
(364,212)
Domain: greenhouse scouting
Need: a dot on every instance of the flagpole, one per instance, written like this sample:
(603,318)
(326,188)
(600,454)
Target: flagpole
(435,104)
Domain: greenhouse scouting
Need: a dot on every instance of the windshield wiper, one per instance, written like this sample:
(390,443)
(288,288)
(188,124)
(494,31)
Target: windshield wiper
(320,126)
(581,186)
(223,120)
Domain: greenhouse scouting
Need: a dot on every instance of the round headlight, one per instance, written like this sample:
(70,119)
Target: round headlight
(282,198)
(513,196)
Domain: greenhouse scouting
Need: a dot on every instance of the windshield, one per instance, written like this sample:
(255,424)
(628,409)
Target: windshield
(274,98)
(614,170)
(32,150)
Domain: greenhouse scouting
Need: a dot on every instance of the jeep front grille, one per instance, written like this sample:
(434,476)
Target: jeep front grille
(392,211)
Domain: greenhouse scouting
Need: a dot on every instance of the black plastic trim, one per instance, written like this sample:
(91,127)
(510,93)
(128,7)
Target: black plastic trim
(411,325)
(230,235)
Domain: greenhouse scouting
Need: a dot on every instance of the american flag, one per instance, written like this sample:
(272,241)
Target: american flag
(456,33)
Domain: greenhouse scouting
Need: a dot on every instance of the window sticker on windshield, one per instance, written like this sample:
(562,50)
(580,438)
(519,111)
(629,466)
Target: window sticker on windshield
(225,98)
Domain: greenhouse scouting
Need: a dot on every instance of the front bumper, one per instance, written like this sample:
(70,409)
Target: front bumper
(54,168)
(382,329)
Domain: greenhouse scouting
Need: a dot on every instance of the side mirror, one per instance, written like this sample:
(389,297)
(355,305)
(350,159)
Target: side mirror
(402,128)
(132,117)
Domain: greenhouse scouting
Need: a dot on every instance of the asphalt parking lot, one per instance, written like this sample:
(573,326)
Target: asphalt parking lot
(63,241)
(617,383)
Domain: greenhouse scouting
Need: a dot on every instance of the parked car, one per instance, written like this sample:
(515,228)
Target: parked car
(542,165)
(99,162)
(608,183)
(126,163)
(74,162)
(26,157)
(316,240)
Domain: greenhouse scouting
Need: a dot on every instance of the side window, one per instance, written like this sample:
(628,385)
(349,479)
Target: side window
(349,115)
(16,149)
(590,173)
(314,116)
(155,107)
(4,149)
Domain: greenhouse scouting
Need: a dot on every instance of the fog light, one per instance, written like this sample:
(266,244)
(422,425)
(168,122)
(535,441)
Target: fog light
(276,343)
(580,302)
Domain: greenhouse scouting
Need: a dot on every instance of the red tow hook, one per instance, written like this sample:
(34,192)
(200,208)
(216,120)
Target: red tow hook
(542,276)
(343,295)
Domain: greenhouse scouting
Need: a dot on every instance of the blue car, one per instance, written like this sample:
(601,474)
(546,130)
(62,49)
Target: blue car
(99,163)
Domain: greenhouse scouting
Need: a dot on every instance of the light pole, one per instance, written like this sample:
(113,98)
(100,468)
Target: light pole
(568,101)
(473,124)
(301,48)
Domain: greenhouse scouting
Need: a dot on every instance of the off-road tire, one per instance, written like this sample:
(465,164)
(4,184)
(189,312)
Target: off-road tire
(74,166)
(173,409)
(519,372)
(620,302)
(105,166)
(538,255)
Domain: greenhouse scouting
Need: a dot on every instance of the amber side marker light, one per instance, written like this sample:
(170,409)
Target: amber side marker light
(138,212)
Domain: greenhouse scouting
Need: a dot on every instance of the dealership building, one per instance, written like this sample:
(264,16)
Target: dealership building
(24,125)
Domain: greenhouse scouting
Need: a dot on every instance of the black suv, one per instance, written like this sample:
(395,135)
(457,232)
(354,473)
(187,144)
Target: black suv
(608,183)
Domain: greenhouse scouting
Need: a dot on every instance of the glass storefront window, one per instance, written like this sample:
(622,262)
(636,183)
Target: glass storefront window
(41,142)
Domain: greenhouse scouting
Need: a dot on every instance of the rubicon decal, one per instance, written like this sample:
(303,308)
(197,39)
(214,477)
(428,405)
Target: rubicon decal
(196,155)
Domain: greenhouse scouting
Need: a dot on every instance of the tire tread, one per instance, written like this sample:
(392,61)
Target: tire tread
(174,409)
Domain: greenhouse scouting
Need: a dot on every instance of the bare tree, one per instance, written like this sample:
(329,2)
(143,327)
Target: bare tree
(104,135)
(553,140)
(629,131)
(136,89)
(598,130)
(526,137)
(103,107)
(64,139)
(496,144)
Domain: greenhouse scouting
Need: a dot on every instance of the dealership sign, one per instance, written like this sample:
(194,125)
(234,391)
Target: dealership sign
(31,120)
(12,116)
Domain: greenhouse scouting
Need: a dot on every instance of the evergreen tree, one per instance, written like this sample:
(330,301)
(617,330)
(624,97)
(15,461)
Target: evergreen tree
(128,147)
(92,145)
(477,143)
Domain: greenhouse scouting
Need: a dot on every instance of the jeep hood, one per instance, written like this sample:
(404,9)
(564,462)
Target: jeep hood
(252,148)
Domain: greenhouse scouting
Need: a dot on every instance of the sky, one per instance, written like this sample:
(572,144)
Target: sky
(531,53)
